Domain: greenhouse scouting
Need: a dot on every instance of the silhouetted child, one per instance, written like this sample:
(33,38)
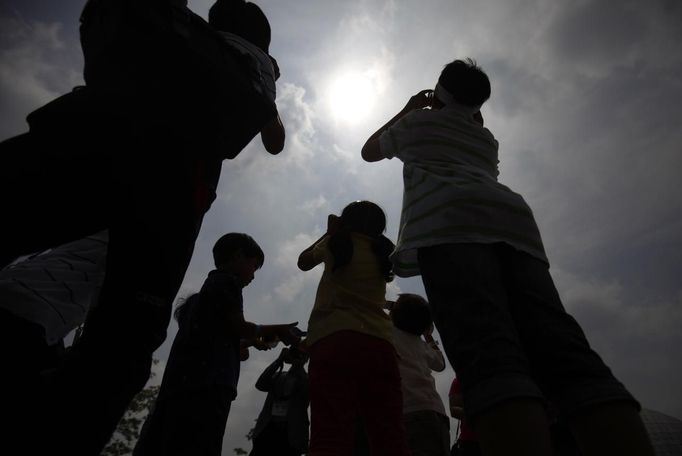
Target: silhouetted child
(282,426)
(201,376)
(427,425)
(138,150)
(479,251)
(353,367)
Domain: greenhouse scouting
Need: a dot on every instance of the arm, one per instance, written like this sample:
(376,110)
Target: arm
(273,135)
(436,359)
(371,151)
(307,260)
(252,332)
(265,381)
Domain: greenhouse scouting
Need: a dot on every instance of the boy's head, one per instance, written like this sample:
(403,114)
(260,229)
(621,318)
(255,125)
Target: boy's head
(465,82)
(412,314)
(242,18)
(239,254)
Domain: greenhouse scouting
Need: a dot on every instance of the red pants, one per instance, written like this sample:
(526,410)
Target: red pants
(352,377)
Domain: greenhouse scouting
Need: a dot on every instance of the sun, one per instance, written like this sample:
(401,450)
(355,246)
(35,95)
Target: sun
(352,95)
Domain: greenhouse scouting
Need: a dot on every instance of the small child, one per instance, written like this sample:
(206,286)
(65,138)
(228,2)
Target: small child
(353,366)
(201,376)
(282,426)
(479,252)
(427,425)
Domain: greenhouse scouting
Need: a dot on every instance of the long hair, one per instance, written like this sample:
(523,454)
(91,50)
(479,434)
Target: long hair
(183,309)
(363,217)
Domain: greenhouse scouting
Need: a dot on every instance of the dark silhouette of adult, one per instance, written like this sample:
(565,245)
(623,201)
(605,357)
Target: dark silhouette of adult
(138,151)
(282,426)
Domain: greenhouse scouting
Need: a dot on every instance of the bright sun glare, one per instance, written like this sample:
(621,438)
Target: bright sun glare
(351,97)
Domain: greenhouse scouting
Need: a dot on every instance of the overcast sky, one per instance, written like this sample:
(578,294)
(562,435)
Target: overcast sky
(586,103)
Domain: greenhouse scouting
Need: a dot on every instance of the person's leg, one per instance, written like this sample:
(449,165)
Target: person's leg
(464,284)
(333,383)
(154,224)
(380,401)
(602,413)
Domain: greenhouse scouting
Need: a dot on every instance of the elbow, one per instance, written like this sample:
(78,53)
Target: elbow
(274,145)
(365,153)
(303,265)
(371,152)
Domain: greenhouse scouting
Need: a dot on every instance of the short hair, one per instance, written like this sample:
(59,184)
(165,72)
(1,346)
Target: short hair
(231,243)
(466,81)
(244,19)
(411,313)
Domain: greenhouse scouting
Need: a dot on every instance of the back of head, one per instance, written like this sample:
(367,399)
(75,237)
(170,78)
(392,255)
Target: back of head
(363,217)
(466,82)
(231,243)
(412,314)
(242,18)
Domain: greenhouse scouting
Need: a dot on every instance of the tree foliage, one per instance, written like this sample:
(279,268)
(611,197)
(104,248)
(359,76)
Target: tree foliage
(127,432)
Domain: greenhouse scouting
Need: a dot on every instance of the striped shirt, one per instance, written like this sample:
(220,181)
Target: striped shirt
(451,190)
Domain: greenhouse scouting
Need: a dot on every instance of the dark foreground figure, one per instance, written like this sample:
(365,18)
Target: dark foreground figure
(138,151)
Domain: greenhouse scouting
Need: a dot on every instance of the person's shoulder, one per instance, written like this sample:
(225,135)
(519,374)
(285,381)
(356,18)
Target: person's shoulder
(221,279)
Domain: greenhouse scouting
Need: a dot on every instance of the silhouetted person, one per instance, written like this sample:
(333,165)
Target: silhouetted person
(427,425)
(138,151)
(202,373)
(479,252)
(282,426)
(353,366)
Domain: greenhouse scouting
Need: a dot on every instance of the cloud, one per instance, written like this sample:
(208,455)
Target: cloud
(295,280)
(31,72)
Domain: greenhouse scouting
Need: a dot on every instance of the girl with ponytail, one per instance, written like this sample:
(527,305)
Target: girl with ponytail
(353,371)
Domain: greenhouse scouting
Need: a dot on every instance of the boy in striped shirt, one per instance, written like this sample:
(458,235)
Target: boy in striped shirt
(479,252)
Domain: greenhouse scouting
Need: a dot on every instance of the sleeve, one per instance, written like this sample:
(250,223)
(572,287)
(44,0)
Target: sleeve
(435,358)
(321,250)
(392,141)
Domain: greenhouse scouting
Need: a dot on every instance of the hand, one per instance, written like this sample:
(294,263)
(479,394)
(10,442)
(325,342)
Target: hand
(420,100)
(288,334)
(263,345)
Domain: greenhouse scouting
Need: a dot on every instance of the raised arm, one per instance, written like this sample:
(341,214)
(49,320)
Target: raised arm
(265,381)
(435,360)
(307,260)
(371,151)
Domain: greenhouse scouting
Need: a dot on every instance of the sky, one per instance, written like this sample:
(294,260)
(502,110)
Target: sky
(586,104)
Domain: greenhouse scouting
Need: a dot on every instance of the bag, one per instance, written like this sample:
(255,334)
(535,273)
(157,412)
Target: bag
(158,62)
